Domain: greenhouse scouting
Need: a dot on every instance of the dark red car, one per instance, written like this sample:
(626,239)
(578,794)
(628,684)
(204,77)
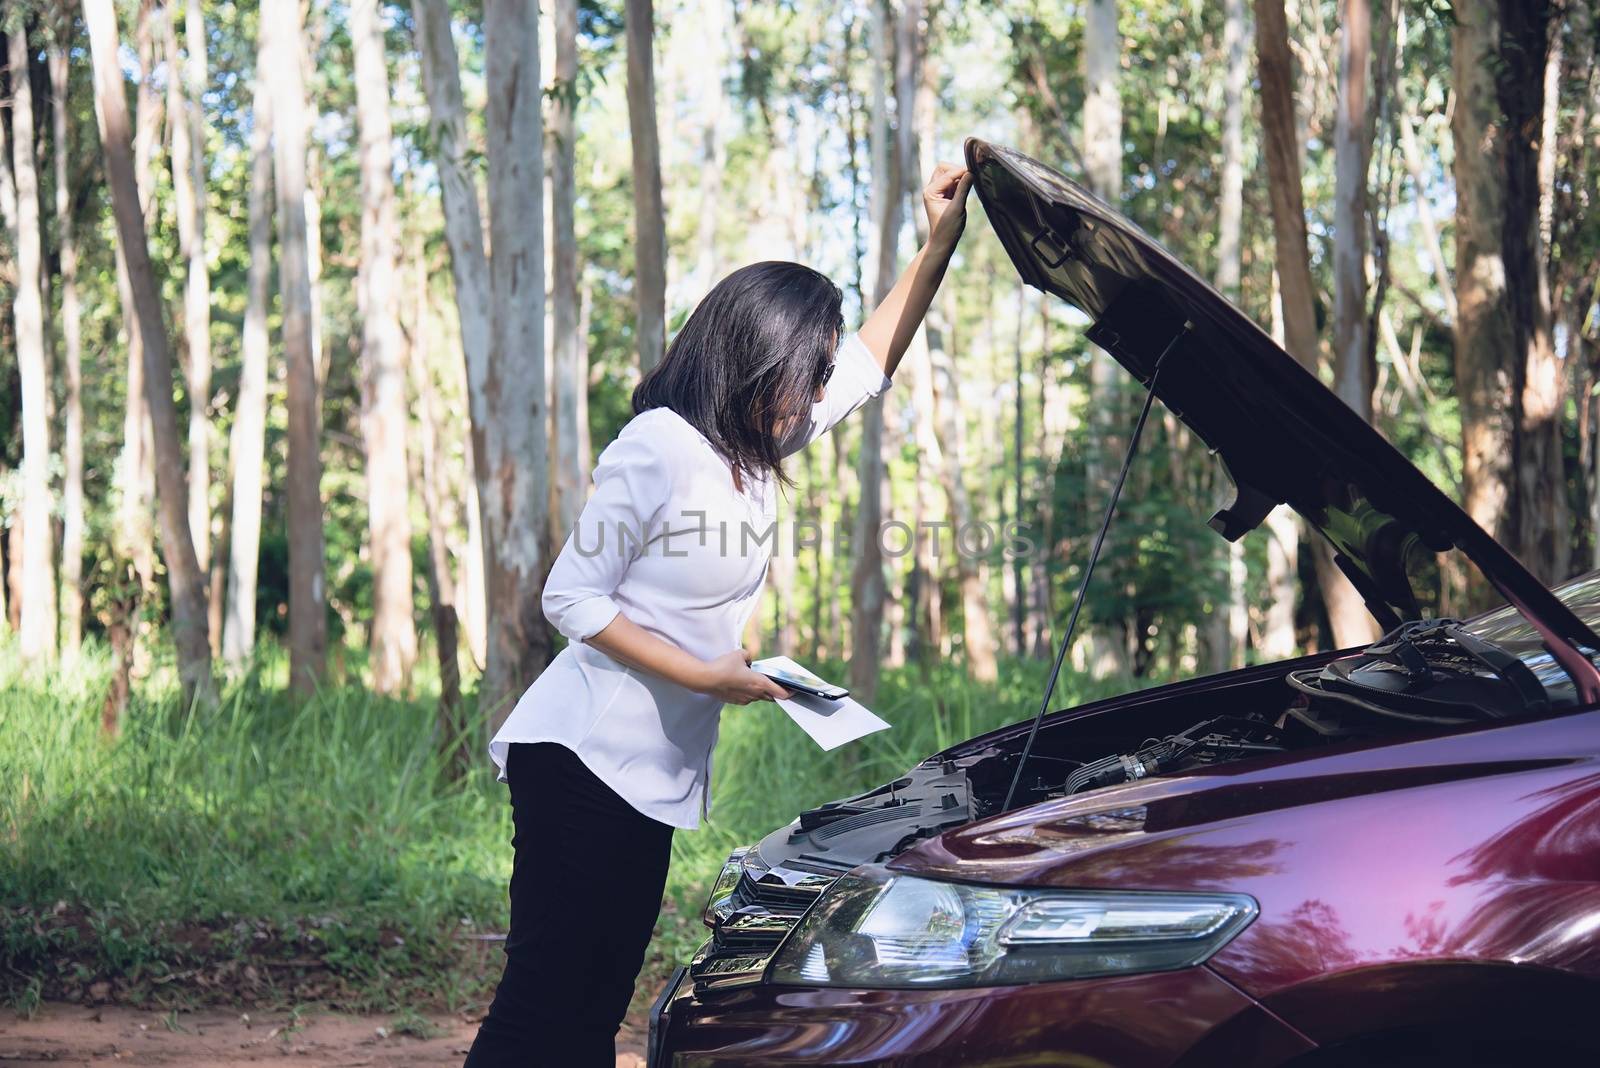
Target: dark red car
(1373,857)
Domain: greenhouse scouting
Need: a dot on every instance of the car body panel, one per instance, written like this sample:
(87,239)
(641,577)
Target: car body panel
(1492,834)
(1467,999)
(1128,1021)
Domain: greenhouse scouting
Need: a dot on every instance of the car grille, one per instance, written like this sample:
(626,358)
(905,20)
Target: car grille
(772,894)
(764,907)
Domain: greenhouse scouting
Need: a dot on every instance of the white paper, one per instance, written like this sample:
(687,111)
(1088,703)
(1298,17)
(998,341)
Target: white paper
(831,723)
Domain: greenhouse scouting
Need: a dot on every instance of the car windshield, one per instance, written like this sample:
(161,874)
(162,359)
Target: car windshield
(1506,628)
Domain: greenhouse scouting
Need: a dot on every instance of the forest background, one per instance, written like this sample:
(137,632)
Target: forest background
(314,319)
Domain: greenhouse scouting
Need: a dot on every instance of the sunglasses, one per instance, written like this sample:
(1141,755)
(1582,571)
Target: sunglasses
(827,373)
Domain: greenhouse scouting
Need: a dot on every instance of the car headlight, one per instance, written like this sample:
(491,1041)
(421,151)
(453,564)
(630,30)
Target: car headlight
(874,928)
(722,889)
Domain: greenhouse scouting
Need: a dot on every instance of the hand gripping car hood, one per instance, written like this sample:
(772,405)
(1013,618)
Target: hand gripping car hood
(1282,436)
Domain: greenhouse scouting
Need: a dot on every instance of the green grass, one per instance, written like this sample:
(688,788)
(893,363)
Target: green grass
(277,851)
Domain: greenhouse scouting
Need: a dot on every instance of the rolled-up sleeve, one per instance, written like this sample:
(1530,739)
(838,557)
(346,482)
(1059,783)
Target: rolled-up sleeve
(631,487)
(857,378)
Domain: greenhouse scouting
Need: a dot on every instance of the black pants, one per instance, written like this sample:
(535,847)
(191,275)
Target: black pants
(586,887)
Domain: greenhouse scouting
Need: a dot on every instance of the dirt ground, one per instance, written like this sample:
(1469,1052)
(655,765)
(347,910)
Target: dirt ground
(77,1035)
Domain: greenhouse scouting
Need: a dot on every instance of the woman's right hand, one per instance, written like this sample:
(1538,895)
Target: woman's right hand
(944,199)
(729,679)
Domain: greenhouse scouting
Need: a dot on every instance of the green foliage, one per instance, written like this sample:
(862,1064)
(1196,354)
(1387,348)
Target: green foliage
(1162,567)
(282,852)
(227,844)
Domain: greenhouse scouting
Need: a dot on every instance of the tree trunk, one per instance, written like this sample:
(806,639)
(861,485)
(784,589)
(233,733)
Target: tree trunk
(72,514)
(38,638)
(977,630)
(567,348)
(650,239)
(149,36)
(474,597)
(139,451)
(1056,418)
(135,538)
(1102,150)
(247,448)
(867,585)
(1352,150)
(1351,623)
(1545,537)
(944,426)
(119,618)
(383,417)
(1278,640)
(308,598)
(185,579)
(1230,630)
(914,103)
(187,125)
(1017,588)
(463,228)
(516,439)
(456,745)
(312,34)
(713,151)
(1102,107)
(12,580)
(1498,85)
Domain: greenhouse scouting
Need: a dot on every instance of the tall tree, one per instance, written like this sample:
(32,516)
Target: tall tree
(135,539)
(867,587)
(915,104)
(1485,334)
(945,421)
(1352,154)
(1102,152)
(247,447)
(72,514)
(650,236)
(185,579)
(569,355)
(308,598)
(456,744)
(383,415)
(1348,617)
(516,438)
(713,156)
(469,267)
(1533,101)
(188,131)
(1233,624)
(1498,58)
(38,638)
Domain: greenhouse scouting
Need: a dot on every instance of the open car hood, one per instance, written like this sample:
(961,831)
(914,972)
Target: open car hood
(1282,436)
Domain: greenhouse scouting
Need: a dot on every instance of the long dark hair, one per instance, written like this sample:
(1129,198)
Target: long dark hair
(749,359)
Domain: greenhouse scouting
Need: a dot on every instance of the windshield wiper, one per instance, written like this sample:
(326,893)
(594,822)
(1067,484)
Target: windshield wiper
(1094,555)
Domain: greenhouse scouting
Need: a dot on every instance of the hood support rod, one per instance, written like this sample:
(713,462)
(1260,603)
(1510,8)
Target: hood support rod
(1094,556)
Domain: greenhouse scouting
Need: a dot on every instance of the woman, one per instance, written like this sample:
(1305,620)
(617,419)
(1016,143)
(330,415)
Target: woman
(610,748)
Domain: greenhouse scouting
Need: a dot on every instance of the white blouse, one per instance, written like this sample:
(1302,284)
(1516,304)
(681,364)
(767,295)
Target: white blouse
(668,541)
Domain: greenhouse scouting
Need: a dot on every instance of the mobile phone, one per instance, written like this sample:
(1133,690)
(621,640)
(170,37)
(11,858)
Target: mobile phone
(800,680)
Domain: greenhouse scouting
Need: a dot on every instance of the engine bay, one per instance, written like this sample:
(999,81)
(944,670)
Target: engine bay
(1421,677)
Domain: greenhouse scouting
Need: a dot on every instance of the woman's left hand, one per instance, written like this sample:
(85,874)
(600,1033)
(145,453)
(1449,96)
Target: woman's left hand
(944,198)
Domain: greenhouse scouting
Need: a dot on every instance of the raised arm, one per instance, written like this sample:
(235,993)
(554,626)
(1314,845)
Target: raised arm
(889,329)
